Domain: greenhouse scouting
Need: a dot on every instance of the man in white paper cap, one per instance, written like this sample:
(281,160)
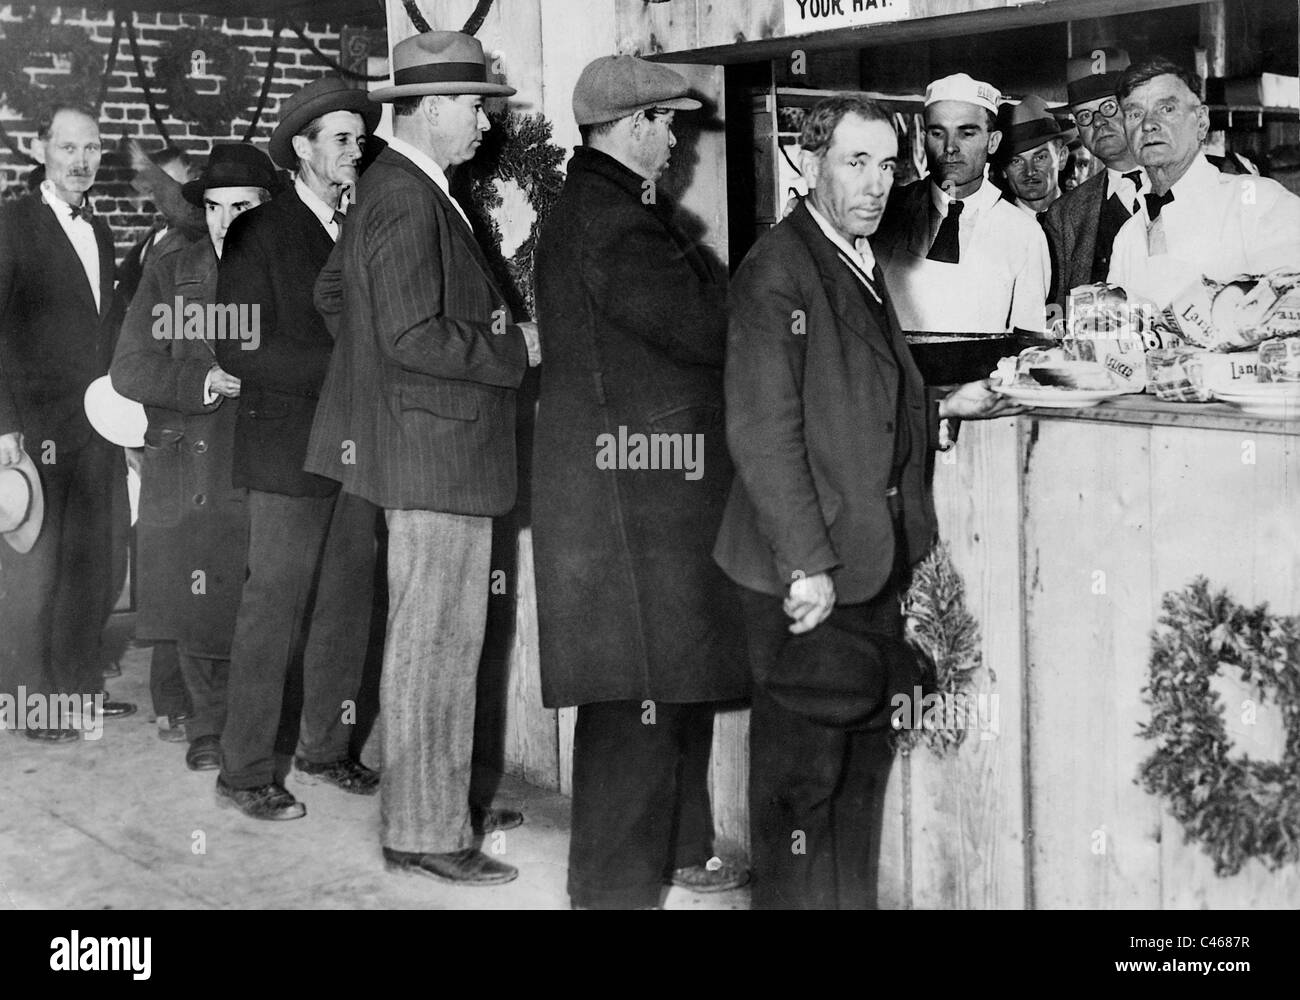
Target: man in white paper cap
(956,255)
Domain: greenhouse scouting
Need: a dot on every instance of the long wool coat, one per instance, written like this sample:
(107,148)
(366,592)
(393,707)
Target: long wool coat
(192,519)
(633,324)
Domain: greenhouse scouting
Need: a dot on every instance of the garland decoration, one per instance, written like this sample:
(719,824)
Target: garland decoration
(262,95)
(36,36)
(142,77)
(213,112)
(939,624)
(517,148)
(1236,808)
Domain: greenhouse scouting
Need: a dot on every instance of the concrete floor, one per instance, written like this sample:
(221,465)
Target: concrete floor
(121,823)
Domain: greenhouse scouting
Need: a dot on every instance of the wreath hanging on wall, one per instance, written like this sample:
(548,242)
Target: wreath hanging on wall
(210,53)
(34,37)
(1235,807)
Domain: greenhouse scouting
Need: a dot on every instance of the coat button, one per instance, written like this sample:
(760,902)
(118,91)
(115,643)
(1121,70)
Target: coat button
(889,427)
(200,499)
(200,447)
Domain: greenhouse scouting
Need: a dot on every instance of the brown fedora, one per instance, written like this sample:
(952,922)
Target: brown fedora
(320,97)
(22,505)
(439,62)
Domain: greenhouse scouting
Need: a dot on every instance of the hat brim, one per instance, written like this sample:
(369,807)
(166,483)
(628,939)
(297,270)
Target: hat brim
(671,103)
(23,537)
(385,94)
(115,418)
(358,101)
(1017,139)
(192,191)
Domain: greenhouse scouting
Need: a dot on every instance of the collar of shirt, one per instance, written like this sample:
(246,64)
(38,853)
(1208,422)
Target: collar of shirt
(980,200)
(318,207)
(80,233)
(861,253)
(62,210)
(1117,183)
(1201,180)
(1027,208)
(426,163)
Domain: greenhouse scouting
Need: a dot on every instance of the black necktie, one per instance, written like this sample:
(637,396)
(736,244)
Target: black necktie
(338,218)
(946,248)
(1155,202)
(1136,177)
(82,211)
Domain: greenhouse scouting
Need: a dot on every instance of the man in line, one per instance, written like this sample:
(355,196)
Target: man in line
(1034,145)
(822,526)
(192,520)
(58,322)
(957,256)
(631,608)
(1198,221)
(417,416)
(1081,227)
(311,548)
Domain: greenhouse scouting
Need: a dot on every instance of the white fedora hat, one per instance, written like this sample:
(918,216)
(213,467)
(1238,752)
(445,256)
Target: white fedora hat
(22,505)
(119,420)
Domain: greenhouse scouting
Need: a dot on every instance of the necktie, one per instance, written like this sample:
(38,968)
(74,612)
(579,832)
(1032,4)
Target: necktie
(82,211)
(946,249)
(338,218)
(1136,177)
(1155,202)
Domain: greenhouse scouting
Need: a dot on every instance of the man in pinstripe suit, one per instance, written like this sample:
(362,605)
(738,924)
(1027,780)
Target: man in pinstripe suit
(417,415)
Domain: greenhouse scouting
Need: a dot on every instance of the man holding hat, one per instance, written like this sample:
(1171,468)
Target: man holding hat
(956,255)
(58,321)
(192,520)
(1035,148)
(417,416)
(1081,226)
(638,626)
(311,548)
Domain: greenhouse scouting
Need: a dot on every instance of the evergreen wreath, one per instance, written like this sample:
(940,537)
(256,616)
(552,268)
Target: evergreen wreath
(36,36)
(1236,808)
(518,147)
(939,623)
(213,112)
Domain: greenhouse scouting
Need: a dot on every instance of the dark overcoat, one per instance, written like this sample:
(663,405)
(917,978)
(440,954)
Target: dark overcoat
(633,326)
(192,519)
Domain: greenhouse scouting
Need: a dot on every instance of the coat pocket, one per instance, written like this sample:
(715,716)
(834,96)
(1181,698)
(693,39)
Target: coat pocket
(442,401)
(691,418)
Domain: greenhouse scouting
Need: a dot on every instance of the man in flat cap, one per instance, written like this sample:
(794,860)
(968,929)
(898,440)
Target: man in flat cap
(957,256)
(637,625)
(311,547)
(1081,226)
(417,416)
(1034,150)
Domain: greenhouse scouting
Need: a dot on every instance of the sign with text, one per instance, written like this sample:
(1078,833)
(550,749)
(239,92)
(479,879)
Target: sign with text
(802,16)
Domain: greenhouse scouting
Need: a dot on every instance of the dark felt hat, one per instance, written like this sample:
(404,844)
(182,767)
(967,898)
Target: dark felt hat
(1027,125)
(233,164)
(320,97)
(1094,75)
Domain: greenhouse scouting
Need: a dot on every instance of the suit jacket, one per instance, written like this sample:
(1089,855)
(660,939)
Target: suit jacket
(1071,227)
(418,408)
(810,423)
(270,260)
(131,269)
(53,340)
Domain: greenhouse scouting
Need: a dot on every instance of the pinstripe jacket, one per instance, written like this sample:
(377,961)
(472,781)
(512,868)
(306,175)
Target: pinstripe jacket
(418,407)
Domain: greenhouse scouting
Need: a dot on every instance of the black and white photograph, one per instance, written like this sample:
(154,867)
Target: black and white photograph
(515,455)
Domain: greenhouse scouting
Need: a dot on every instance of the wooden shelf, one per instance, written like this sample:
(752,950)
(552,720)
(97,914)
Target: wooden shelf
(1260,114)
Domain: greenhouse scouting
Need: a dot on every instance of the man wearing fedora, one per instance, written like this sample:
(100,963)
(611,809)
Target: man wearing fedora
(192,519)
(1081,226)
(311,548)
(417,415)
(1035,148)
(58,321)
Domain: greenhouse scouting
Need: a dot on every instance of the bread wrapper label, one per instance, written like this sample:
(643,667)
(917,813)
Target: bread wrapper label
(1279,360)
(1242,312)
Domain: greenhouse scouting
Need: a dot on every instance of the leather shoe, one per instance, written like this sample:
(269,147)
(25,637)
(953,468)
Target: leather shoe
(466,867)
(45,735)
(270,801)
(115,709)
(170,729)
(347,774)
(486,821)
(204,754)
(715,875)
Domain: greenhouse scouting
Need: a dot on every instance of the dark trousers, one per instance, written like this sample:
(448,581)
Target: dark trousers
(640,800)
(310,567)
(166,685)
(206,681)
(55,599)
(816,793)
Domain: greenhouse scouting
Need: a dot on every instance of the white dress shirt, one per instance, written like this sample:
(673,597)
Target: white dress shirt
(318,208)
(1218,225)
(426,163)
(1000,282)
(80,232)
(860,252)
(1129,194)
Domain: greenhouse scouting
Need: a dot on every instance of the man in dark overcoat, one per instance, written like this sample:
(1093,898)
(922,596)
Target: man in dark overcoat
(638,627)
(58,322)
(193,525)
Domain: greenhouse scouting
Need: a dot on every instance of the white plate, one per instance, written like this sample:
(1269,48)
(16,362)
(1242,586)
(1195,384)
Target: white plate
(1058,399)
(1276,400)
(1258,390)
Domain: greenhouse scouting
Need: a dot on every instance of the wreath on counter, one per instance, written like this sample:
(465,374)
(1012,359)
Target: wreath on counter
(222,57)
(1235,807)
(36,36)
(938,622)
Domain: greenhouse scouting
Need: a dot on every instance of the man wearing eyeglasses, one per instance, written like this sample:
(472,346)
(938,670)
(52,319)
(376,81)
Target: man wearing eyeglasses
(1081,226)
(1196,222)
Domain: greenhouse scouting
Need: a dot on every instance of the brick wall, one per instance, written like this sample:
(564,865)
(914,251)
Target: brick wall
(125,113)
